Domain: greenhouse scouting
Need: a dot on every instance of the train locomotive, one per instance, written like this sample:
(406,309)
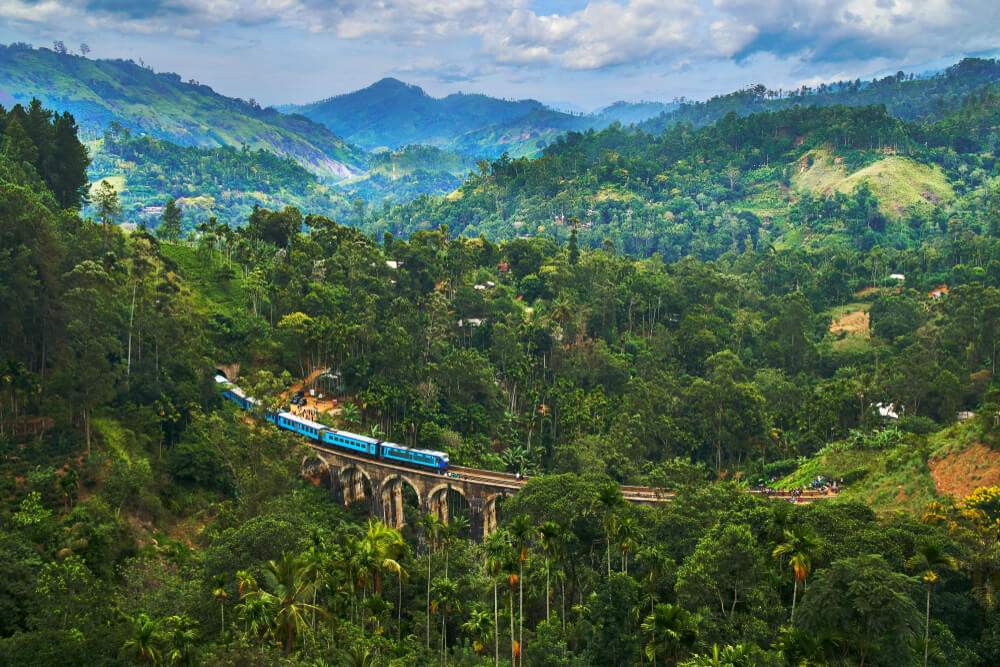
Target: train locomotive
(337,439)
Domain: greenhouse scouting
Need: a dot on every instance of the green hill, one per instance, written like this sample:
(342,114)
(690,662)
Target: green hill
(801,176)
(392,114)
(224,182)
(162,105)
(904,96)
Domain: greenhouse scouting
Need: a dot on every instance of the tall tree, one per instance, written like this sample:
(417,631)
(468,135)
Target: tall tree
(170,227)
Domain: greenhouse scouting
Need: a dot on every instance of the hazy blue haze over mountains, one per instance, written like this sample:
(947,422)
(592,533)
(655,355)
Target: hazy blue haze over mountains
(391,114)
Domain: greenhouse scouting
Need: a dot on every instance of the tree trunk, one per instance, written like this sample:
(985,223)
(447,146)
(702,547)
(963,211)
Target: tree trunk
(444,640)
(547,591)
(428,624)
(513,660)
(927,624)
(520,614)
(496,626)
(795,592)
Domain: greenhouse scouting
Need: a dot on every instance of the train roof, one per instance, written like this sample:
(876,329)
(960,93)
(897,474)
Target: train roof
(357,436)
(305,422)
(221,379)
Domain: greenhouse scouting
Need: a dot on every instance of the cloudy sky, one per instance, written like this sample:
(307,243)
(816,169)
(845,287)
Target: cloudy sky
(563,52)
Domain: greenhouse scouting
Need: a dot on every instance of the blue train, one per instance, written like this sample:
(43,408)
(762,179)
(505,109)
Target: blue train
(357,444)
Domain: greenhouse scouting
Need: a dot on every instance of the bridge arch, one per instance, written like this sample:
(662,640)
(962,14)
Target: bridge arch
(356,484)
(398,493)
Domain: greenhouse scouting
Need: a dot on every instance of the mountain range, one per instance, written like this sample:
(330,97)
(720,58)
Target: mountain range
(391,114)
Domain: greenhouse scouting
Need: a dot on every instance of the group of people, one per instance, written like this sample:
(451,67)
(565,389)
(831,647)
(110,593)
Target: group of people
(820,485)
(305,411)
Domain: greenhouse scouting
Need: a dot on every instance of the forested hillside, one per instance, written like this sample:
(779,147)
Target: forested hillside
(222,182)
(904,96)
(142,521)
(99,92)
(817,176)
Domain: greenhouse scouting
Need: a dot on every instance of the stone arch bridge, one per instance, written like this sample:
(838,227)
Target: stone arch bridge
(350,477)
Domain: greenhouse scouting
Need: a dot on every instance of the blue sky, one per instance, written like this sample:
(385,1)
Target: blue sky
(563,52)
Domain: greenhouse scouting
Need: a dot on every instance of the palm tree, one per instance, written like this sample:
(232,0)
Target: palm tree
(449,534)
(610,498)
(478,627)
(257,614)
(495,549)
(245,581)
(657,562)
(431,526)
(627,530)
(669,629)
(929,559)
(183,635)
(520,531)
(802,547)
(219,591)
(386,543)
(143,645)
(445,600)
(551,535)
(291,583)
(739,655)
(357,656)
(376,607)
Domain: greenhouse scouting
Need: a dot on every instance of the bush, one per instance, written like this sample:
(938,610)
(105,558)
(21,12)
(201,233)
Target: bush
(917,425)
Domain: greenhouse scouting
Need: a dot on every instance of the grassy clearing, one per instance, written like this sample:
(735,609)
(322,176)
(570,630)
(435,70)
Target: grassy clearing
(219,295)
(902,477)
(899,183)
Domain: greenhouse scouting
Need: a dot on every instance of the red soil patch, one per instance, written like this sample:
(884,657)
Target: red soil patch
(960,474)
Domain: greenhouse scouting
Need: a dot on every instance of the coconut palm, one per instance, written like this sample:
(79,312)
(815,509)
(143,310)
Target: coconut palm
(520,532)
(444,600)
(387,544)
(495,550)
(669,629)
(802,547)
(143,644)
(929,559)
(289,586)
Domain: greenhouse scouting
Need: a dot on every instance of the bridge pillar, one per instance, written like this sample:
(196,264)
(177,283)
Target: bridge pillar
(392,504)
(483,517)
(490,518)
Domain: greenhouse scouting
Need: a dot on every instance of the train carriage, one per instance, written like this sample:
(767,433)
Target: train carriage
(353,442)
